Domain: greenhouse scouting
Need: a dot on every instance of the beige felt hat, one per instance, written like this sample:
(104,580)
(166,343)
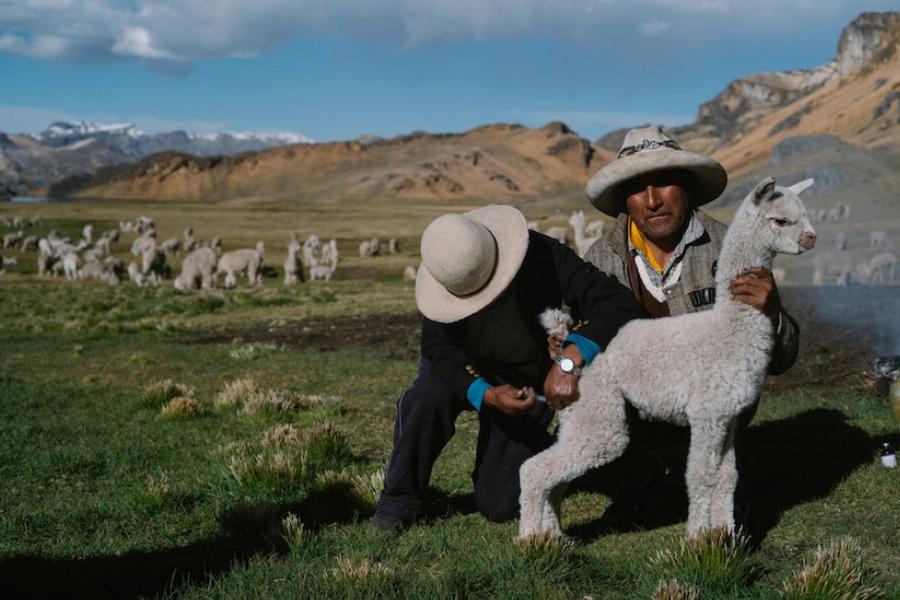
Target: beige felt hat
(468,260)
(650,149)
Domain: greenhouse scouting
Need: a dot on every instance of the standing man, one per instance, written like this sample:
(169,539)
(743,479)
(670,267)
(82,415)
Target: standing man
(484,280)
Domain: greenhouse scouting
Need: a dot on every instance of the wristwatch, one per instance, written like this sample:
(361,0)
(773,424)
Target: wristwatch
(568,365)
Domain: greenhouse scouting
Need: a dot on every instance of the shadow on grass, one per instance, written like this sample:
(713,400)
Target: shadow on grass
(781,463)
(247,530)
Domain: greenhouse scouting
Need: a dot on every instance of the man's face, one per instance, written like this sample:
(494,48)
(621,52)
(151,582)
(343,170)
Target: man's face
(658,204)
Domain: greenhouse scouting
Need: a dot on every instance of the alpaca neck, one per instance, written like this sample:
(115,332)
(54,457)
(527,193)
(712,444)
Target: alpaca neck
(742,249)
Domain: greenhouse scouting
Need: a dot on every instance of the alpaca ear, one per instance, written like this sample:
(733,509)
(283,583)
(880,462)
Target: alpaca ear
(798,188)
(763,189)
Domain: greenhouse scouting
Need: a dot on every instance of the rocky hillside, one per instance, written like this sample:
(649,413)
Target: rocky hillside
(496,162)
(746,103)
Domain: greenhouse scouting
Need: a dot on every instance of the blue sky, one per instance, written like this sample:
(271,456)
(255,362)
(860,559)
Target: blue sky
(337,69)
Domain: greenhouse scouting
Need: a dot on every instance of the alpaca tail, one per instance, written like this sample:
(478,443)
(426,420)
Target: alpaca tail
(556,322)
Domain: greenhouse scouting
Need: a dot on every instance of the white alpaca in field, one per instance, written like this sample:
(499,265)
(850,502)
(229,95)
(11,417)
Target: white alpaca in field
(583,241)
(879,268)
(198,270)
(409,273)
(330,253)
(244,260)
(293,268)
(709,368)
(311,249)
(880,239)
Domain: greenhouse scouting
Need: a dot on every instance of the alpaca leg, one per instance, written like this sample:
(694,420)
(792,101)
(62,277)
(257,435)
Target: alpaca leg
(723,497)
(592,432)
(704,458)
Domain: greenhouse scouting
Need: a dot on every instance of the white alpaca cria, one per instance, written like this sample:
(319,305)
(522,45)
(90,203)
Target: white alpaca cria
(197,271)
(708,367)
(242,261)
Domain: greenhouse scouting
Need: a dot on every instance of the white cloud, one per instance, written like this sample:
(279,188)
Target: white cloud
(173,31)
(135,41)
(654,27)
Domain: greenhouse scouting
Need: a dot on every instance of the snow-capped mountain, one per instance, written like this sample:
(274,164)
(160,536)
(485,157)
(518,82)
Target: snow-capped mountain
(36,160)
(131,140)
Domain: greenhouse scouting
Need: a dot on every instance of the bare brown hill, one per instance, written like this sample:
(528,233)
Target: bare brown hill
(499,162)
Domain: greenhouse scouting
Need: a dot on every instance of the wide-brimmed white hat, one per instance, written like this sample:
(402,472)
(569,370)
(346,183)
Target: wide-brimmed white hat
(646,150)
(468,260)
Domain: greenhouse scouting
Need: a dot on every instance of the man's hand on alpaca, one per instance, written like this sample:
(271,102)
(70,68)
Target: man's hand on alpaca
(756,287)
(561,389)
(509,399)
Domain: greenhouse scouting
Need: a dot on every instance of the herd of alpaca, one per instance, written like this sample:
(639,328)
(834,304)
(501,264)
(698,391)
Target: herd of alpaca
(203,266)
(710,367)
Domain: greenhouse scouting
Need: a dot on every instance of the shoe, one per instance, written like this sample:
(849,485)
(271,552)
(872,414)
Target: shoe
(389,523)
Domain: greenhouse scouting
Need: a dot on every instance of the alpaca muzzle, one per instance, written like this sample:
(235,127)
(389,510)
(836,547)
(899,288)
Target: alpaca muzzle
(808,240)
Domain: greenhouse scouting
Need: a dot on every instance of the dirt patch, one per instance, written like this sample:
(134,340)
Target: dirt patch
(842,329)
(398,335)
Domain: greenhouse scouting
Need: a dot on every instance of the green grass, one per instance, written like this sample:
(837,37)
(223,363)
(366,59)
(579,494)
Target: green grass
(104,495)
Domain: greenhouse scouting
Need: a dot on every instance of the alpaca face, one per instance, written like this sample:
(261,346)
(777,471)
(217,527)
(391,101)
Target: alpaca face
(782,216)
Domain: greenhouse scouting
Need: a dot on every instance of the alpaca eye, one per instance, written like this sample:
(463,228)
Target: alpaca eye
(779,221)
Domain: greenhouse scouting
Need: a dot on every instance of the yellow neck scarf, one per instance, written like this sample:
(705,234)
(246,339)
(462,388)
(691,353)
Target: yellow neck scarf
(637,240)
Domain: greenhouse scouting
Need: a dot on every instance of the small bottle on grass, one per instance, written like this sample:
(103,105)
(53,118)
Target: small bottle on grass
(888,457)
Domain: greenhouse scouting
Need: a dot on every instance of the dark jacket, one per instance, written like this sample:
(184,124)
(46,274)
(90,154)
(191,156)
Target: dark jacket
(695,290)
(505,343)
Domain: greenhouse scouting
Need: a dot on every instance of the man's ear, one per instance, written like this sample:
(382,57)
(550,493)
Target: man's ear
(763,190)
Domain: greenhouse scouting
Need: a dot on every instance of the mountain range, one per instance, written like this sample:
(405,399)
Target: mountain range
(841,119)
(65,149)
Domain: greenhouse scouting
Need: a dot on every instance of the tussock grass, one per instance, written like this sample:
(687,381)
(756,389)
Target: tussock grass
(716,561)
(160,392)
(293,532)
(248,397)
(358,572)
(182,407)
(675,590)
(835,573)
(284,462)
(237,392)
(358,490)
(281,435)
(159,488)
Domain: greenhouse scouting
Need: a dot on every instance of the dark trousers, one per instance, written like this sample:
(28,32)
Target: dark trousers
(426,414)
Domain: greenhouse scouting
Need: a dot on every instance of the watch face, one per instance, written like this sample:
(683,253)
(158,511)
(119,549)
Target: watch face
(567,365)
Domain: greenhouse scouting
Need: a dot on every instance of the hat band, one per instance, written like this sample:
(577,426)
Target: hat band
(648,145)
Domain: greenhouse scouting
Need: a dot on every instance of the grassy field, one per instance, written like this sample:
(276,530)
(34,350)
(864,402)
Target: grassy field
(251,471)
